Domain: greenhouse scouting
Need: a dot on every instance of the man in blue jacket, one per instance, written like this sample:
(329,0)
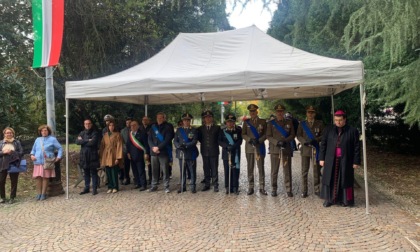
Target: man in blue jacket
(160,143)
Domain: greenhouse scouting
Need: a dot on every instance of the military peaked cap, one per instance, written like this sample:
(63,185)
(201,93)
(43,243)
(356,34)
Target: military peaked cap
(279,107)
(207,113)
(230,117)
(252,107)
(187,116)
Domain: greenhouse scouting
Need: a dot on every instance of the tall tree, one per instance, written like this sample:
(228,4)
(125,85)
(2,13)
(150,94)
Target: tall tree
(387,33)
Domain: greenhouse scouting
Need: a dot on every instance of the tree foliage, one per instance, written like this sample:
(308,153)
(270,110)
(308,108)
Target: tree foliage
(22,105)
(387,33)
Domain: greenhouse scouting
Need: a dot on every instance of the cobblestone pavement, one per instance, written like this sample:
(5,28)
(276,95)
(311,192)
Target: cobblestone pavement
(131,220)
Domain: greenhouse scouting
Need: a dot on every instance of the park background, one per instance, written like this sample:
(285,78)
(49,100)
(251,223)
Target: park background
(107,36)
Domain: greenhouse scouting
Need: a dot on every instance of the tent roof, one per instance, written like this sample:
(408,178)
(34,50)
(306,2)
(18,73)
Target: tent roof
(243,64)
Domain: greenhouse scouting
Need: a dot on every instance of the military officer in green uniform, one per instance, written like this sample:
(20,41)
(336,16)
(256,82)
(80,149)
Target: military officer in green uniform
(309,134)
(280,134)
(254,134)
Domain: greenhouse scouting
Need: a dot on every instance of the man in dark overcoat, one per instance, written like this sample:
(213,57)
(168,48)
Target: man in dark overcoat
(88,139)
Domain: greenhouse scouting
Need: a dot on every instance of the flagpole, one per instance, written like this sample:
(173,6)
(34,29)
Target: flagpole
(49,89)
(55,187)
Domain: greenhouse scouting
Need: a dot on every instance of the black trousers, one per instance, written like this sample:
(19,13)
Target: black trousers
(190,172)
(139,172)
(14,181)
(211,170)
(234,176)
(125,173)
(88,174)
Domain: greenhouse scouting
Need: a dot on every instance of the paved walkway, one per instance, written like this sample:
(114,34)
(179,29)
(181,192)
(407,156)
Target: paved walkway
(206,221)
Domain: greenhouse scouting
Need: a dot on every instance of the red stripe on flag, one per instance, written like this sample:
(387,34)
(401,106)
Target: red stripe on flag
(57,31)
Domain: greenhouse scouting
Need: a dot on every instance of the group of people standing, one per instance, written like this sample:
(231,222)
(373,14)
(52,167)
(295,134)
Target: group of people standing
(143,146)
(149,147)
(45,147)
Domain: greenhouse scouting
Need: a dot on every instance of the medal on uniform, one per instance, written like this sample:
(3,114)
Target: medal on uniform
(235,136)
(190,135)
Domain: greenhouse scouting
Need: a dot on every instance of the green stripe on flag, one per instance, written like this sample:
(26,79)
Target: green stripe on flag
(38,26)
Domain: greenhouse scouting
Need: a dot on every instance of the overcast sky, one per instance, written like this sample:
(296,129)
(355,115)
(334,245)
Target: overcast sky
(252,14)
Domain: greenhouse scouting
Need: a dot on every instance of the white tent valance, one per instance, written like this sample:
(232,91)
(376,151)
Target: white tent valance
(243,64)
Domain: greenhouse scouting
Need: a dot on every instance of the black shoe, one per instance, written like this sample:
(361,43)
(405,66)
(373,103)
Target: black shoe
(206,188)
(143,189)
(203,181)
(317,194)
(250,191)
(183,190)
(346,205)
(94,192)
(326,204)
(216,189)
(137,187)
(84,191)
(263,192)
(193,190)
(127,182)
(274,193)
(2,201)
(304,195)
(235,191)
(289,194)
(227,190)
(153,189)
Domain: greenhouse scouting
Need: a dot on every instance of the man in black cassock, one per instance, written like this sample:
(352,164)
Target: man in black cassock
(339,155)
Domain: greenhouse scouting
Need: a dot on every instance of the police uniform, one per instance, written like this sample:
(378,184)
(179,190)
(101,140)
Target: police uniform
(308,151)
(185,142)
(208,136)
(252,152)
(280,147)
(231,140)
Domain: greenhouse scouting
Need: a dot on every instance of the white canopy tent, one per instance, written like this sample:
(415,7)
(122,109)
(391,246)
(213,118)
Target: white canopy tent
(243,64)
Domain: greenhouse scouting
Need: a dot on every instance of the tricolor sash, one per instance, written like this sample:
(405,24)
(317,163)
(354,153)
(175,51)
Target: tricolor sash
(136,142)
(231,142)
(311,136)
(257,136)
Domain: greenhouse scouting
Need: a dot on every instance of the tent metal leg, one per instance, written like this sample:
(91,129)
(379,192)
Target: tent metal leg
(362,113)
(67,148)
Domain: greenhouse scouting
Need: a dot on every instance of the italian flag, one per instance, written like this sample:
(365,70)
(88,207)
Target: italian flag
(48,22)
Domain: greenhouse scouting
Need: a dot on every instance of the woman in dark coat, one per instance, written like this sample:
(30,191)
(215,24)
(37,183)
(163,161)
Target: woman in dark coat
(11,152)
(339,155)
